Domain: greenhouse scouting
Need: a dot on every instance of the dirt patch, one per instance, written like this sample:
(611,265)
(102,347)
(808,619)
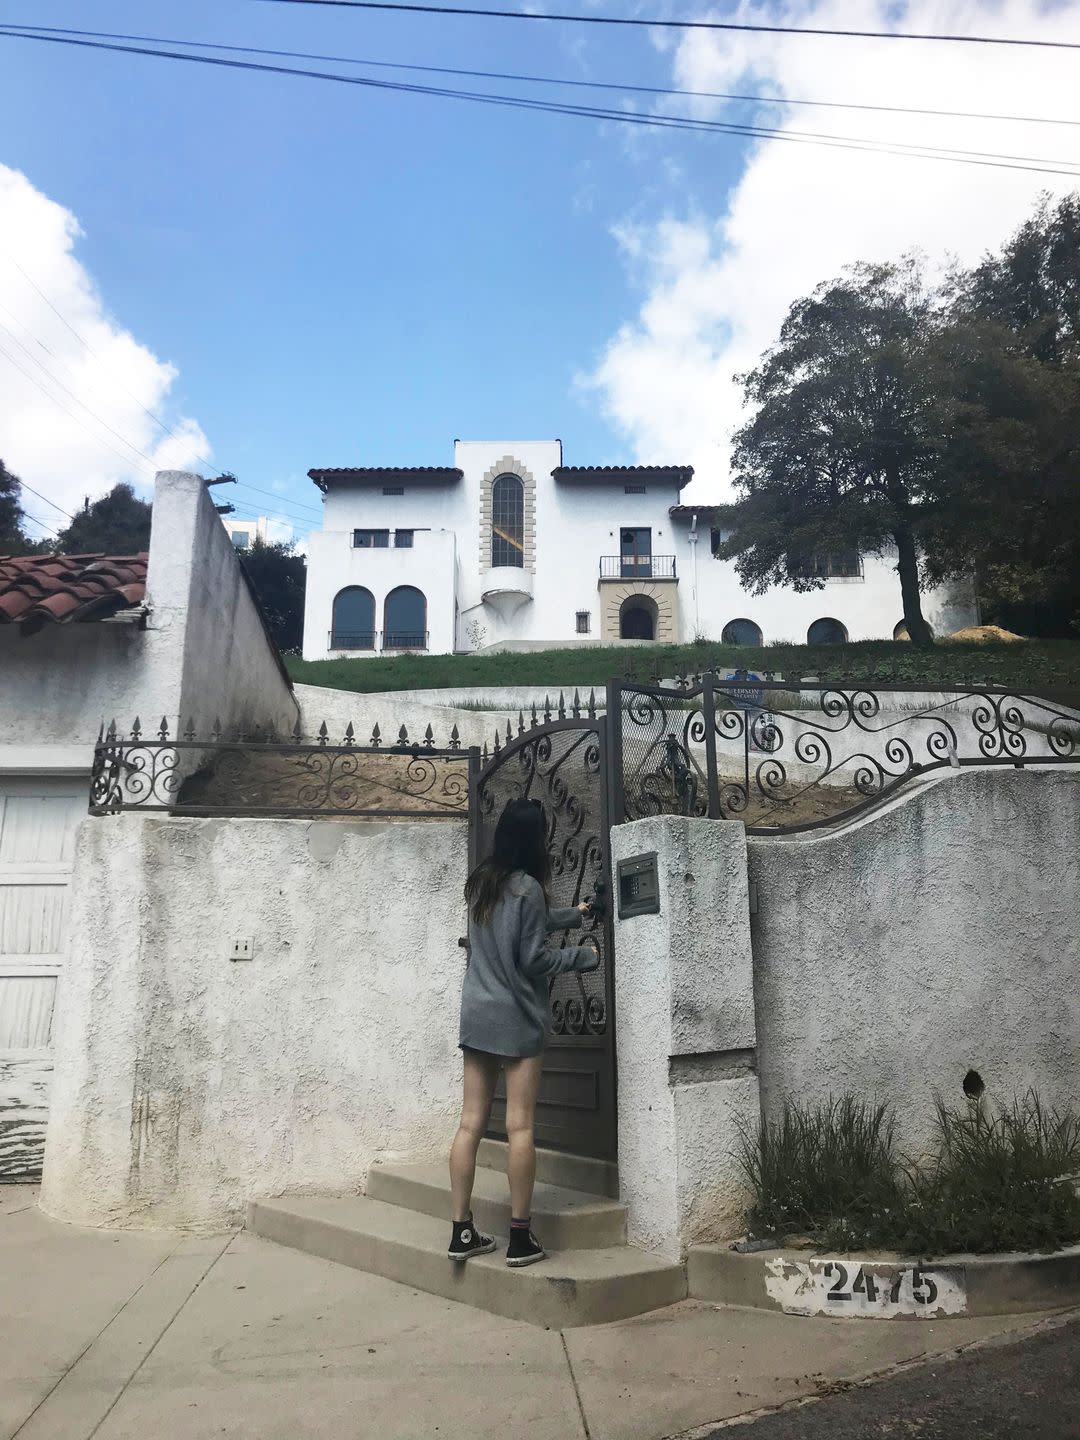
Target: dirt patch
(323,781)
(798,805)
(993,634)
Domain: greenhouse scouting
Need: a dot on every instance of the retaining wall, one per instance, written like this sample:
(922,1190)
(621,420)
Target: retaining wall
(187,1083)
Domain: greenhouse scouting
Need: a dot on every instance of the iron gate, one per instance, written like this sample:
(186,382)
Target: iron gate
(561,760)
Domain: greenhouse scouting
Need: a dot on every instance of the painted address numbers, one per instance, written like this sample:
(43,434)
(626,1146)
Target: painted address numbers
(874,1289)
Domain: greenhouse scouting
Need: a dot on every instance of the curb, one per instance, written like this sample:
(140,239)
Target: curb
(885,1287)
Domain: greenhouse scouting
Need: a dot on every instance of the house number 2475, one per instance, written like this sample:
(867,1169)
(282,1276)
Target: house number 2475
(924,1290)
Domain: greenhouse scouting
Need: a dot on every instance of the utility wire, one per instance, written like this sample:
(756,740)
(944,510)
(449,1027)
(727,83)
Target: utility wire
(23,485)
(683,24)
(681,122)
(67,391)
(284,500)
(624,88)
(91,351)
(58,402)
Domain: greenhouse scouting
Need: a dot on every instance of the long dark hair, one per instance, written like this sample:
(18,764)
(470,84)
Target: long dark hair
(520,844)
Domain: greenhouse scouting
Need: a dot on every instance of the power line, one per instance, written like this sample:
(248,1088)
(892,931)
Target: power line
(90,349)
(922,152)
(622,87)
(126,459)
(683,24)
(67,391)
(24,486)
(281,499)
(49,529)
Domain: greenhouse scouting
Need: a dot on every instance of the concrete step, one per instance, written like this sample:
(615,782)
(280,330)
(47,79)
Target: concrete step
(564,1219)
(555,1167)
(572,1287)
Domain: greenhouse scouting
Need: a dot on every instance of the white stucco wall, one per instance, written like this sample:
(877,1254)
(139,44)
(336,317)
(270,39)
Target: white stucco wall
(686,1034)
(57,686)
(187,1083)
(576,524)
(210,657)
(941,934)
(201,655)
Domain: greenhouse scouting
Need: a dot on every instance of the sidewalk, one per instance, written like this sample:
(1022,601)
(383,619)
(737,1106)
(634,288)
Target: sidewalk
(119,1335)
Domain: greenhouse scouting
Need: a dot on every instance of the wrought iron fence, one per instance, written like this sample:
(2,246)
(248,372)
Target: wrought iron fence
(794,756)
(262,773)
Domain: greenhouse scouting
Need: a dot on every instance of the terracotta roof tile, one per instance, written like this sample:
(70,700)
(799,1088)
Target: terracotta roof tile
(62,589)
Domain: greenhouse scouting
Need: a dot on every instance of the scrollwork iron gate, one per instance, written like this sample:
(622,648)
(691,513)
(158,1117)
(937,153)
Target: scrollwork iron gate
(561,760)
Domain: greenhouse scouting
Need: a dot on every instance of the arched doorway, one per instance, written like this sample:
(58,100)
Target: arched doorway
(353,623)
(637,618)
(826,632)
(741,632)
(405,619)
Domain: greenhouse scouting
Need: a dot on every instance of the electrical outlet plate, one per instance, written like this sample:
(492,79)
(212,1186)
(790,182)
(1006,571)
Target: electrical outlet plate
(243,948)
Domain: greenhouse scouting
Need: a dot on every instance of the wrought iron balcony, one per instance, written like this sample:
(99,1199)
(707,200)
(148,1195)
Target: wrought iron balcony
(352,639)
(404,640)
(637,567)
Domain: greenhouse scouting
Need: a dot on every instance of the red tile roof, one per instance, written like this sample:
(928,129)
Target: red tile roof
(63,589)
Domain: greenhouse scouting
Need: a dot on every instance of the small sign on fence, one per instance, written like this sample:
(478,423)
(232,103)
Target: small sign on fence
(871,1289)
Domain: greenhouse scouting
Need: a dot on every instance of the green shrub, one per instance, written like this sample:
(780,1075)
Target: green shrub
(827,1172)
(997,1181)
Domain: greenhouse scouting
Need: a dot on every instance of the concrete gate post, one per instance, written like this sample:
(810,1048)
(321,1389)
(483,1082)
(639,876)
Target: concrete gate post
(685,1033)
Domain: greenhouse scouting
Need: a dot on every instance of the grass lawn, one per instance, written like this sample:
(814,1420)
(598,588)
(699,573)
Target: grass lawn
(1028,664)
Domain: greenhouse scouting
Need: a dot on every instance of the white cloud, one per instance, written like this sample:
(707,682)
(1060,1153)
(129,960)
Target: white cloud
(56,444)
(717,285)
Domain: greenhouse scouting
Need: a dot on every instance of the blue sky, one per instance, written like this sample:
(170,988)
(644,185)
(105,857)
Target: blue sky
(323,275)
(342,275)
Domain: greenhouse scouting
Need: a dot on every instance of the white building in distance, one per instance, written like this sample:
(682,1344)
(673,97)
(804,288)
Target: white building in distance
(510,547)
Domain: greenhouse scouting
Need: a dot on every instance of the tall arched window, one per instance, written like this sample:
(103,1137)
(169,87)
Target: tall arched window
(353,624)
(826,631)
(405,619)
(741,632)
(508,521)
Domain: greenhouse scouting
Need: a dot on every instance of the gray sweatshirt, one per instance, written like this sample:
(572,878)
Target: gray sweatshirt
(504,999)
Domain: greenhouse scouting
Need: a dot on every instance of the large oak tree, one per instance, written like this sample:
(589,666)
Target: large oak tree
(840,453)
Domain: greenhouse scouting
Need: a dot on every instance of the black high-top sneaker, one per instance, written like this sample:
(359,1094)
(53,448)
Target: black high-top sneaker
(467,1240)
(524,1248)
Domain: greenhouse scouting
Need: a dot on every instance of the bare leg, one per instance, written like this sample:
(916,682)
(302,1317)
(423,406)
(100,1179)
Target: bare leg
(481,1074)
(522,1083)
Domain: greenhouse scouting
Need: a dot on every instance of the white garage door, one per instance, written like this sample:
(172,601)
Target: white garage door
(38,818)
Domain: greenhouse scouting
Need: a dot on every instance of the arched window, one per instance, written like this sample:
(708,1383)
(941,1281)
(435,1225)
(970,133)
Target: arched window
(637,618)
(353,625)
(508,521)
(826,632)
(405,619)
(741,632)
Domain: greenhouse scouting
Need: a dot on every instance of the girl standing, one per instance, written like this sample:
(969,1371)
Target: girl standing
(504,1016)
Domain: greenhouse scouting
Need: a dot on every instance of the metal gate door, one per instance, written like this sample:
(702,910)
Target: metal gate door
(562,762)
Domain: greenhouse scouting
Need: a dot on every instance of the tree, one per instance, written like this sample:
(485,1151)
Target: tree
(277,575)
(840,453)
(13,538)
(1011,455)
(11,512)
(117,524)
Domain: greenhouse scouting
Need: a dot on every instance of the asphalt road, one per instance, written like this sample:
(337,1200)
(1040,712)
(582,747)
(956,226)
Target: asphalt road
(1000,1392)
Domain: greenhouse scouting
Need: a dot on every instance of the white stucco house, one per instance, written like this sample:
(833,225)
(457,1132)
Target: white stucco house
(175,634)
(509,546)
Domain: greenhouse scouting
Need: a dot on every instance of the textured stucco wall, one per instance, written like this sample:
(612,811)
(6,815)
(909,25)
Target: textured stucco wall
(683,981)
(57,686)
(187,1083)
(211,656)
(939,935)
(202,655)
